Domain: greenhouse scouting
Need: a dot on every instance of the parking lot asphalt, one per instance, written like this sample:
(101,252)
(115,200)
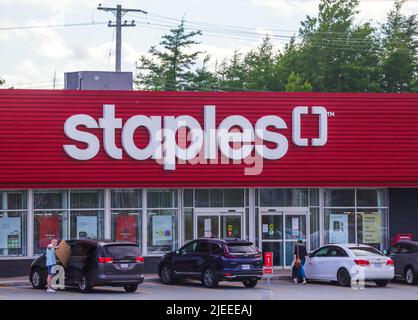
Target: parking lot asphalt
(153,289)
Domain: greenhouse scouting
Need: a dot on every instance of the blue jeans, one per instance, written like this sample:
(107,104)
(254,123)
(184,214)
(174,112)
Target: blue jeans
(301,269)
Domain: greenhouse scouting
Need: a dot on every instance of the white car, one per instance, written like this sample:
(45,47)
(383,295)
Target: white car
(346,262)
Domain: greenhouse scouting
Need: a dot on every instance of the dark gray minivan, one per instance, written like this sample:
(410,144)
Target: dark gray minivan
(405,256)
(96,263)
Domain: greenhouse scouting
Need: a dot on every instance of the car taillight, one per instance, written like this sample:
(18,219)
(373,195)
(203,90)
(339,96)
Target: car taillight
(362,263)
(105,259)
(390,263)
(227,254)
(139,259)
(258,255)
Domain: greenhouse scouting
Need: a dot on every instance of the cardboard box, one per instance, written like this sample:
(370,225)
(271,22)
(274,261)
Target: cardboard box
(63,253)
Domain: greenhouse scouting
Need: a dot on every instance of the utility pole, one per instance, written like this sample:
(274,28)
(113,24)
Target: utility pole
(119,12)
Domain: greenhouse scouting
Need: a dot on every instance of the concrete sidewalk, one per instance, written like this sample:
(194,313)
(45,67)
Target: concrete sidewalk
(24,281)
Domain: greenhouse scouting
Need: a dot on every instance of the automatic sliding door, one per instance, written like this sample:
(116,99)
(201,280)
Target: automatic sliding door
(207,226)
(272,236)
(295,228)
(231,226)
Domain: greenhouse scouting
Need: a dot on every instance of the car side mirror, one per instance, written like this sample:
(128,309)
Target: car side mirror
(177,251)
(310,254)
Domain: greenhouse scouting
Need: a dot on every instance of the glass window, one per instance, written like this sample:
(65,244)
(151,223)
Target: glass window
(50,199)
(372,198)
(339,198)
(122,251)
(13,233)
(365,251)
(188,197)
(162,231)
(87,224)
(13,219)
(284,197)
(314,197)
(321,252)
(162,198)
(340,226)
(314,225)
(126,226)
(395,248)
(233,197)
(202,197)
(86,199)
(336,252)
(188,225)
(16,200)
(189,248)
(246,249)
(219,198)
(126,199)
(49,225)
(372,226)
(203,247)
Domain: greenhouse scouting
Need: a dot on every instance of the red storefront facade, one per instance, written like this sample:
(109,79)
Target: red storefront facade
(269,167)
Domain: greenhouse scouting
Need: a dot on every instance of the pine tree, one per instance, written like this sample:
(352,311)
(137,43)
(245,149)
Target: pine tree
(170,67)
(399,64)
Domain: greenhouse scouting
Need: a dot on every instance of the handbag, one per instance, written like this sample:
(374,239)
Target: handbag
(297,261)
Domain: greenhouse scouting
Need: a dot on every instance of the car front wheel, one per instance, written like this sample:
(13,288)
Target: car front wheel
(131,288)
(84,284)
(343,278)
(410,276)
(209,278)
(36,279)
(382,283)
(167,274)
(250,283)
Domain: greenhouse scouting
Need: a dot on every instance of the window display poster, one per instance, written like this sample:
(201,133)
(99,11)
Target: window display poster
(86,227)
(208,228)
(162,230)
(338,228)
(49,228)
(265,228)
(295,228)
(10,236)
(371,227)
(126,228)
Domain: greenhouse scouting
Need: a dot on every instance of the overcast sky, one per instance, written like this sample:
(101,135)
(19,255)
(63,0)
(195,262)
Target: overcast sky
(29,57)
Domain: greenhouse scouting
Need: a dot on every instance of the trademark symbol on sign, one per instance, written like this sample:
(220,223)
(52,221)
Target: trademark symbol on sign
(330,114)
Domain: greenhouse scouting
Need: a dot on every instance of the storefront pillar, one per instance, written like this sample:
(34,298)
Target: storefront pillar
(251,207)
(107,217)
(144,222)
(30,225)
(180,218)
(321,216)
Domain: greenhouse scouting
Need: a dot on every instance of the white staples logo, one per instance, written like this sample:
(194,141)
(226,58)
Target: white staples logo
(198,145)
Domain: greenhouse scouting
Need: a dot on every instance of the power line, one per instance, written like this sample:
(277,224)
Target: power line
(92,23)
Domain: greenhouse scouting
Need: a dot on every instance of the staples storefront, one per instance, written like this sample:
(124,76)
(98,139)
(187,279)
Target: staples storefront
(163,168)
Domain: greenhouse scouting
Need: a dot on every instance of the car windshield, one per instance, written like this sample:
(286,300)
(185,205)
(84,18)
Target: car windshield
(122,251)
(242,248)
(365,251)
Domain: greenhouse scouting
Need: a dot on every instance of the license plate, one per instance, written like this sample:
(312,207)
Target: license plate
(246,267)
(378,265)
(124,266)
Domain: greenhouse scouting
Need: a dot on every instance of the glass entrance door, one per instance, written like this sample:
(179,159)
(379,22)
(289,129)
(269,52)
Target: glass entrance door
(207,226)
(219,225)
(295,228)
(279,232)
(272,236)
(231,226)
